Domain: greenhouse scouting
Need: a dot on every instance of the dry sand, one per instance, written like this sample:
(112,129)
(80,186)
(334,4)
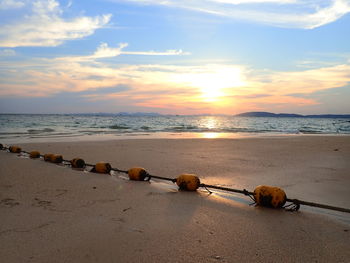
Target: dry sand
(51,213)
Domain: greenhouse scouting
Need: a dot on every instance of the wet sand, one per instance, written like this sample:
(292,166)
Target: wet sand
(51,213)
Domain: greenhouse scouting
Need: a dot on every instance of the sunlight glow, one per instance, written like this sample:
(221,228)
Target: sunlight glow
(210,123)
(214,81)
(210,135)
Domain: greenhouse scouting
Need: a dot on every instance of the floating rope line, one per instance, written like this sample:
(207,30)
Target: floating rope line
(267,196)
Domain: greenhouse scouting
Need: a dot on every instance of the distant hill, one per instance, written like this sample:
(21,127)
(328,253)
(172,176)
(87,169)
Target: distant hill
(289,115)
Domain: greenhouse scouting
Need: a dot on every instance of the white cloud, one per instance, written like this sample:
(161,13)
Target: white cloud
(307,14)
(104,51)
(169,52)
(10,4)
(45,26)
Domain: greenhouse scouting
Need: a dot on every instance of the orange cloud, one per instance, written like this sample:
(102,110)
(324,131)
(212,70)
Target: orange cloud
(211,88)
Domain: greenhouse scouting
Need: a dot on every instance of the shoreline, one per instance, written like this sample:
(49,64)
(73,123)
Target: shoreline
(54,212)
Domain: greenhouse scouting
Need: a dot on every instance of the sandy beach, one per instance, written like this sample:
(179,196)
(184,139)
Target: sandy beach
(51,213)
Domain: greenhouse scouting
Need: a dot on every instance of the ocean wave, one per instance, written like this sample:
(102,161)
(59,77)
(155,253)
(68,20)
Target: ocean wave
(310,131)
(15,126)
(34,131)
(183,128)
(13,133)
(119,127)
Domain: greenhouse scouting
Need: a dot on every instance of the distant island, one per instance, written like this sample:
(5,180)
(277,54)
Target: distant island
(289,115)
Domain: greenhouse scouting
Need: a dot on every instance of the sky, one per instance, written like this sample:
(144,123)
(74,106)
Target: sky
(175,56)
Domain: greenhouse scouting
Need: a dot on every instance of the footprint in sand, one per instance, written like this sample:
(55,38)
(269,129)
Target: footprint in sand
(9,202)
(41,203)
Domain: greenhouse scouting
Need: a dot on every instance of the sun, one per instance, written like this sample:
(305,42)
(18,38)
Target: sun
(214,82)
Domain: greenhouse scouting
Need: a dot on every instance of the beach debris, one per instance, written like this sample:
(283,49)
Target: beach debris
(269,196)
(53,158)
(102,168)
(138,174)
(188,182)
(15,149)
(77,163)
(34,154)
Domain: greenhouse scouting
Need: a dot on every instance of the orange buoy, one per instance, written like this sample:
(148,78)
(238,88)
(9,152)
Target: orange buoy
(15,149)
(269,196)
(137,174)
(48,157)
(101,167)
(53,158)
(56,158)
(77,163)
(34,154)
(188,182)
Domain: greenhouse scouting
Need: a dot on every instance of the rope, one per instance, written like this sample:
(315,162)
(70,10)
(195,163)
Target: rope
(244,191)
(163,178)
(335,208)
(119,171)
(293,206)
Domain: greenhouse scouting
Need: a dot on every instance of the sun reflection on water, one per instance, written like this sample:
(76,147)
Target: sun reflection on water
(210,123)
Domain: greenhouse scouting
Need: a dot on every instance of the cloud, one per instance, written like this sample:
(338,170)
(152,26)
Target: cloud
(105,91)
(169,52)
(307,81)
(219,88)
(43,25)
(279,13)
(10,4)
(104,51)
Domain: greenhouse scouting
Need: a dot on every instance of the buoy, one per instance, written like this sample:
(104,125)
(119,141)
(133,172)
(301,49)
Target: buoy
(15,149)
(48,157)
(269,196)
(189,182)
(53,158)
(77,163)
(137,174)
(56,158)
(103,168)
(34,154)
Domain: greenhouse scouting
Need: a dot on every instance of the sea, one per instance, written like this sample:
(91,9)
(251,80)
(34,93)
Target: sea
(72,127)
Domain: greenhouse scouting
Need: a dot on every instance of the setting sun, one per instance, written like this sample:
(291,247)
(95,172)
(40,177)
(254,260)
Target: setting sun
(214,81)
